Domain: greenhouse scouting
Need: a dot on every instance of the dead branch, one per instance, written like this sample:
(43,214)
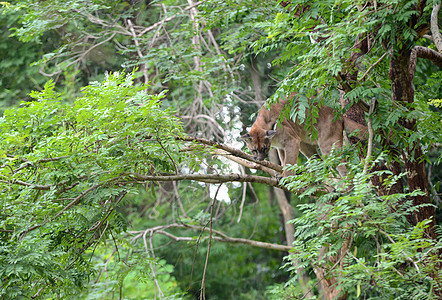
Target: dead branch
(211,122)
(243,198)
(103,23)
(80,57)
(203,281)
(218,236)
(140,54)
(147,29)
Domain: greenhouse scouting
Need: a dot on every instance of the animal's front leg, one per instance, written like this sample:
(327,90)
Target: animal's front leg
(291,152)
(281,154)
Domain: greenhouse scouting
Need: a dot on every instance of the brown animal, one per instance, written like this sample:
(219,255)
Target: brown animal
(290,137)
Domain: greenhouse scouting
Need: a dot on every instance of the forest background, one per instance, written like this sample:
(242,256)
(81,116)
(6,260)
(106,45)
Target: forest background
(121,172)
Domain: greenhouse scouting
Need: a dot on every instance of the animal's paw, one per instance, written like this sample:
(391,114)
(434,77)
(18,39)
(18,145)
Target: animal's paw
(278,176)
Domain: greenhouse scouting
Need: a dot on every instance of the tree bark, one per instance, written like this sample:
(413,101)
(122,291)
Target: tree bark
(401,73)
(288,215)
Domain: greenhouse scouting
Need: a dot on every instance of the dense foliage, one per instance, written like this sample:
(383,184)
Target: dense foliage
(106,195)
(70,154)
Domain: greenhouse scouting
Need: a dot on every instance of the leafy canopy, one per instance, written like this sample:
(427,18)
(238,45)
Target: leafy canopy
(65,171)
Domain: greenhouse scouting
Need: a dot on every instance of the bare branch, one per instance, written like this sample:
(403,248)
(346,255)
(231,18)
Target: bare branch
(233,151)
(140,54)
(211,121)
(32,185)
(437,37)
(220,236)
(210,178)
(429,37)
(103,23)
(203,281)
(423,52)
(248,164)
(79,57)
(147,29)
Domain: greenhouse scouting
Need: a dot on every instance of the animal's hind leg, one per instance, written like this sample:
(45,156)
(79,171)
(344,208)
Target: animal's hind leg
(332,137)
(308,150)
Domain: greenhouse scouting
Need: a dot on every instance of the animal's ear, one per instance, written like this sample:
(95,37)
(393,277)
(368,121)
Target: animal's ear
(270,133)
(246,138)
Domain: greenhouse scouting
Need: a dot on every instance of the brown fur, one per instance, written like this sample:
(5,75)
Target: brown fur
(290,137)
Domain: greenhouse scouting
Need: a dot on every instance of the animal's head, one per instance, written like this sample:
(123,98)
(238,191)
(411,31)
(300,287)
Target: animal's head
(259,142)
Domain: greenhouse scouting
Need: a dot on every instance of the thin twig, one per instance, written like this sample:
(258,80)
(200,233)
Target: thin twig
(167,153)
(72,203)
(96,244)
(203,281)
(137,45)
(34,186)
(241,207)
(325,275)
(147,29)
(79,57)
(157,284)
(373,65)
(403,252)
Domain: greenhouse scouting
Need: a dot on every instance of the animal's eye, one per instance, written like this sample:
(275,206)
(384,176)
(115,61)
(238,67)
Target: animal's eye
(254,151)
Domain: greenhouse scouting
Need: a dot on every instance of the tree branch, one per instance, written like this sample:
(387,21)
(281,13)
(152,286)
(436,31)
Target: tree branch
(373,65)
(370,136)
(233,151)
(220,236)
(211,178)
(437,38)
(147,29)
(423,52)
(78,59)
(140,54)
(32,185)
(248,164)
(75,201)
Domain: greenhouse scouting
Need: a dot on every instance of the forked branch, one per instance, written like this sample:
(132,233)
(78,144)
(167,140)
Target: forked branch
(217,236)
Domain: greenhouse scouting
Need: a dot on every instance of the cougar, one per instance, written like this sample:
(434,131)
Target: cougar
(290,136)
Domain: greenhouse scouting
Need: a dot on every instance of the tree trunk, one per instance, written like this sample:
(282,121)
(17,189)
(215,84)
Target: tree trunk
(283,201)
(288,215)
(401,74)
